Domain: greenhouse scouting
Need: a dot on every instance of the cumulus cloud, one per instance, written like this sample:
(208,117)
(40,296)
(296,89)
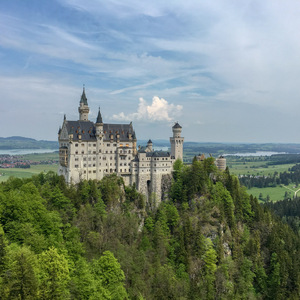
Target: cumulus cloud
(159,110)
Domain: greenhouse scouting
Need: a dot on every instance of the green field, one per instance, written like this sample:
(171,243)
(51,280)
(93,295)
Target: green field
(34,169)
(257,168)
(276,193)
(25,173)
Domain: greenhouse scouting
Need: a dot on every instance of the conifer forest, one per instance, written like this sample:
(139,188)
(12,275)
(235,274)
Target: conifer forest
(102,240)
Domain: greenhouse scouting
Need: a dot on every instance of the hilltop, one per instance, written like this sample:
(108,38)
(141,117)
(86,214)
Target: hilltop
(208,240)
(19,142)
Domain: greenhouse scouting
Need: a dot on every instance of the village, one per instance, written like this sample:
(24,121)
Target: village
(18,161)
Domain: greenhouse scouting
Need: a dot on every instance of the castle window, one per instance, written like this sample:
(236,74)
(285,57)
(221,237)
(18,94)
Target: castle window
(84,165)
(94,165)
(94,158)
(121,164)
(82,152)
(82,145)
(115,145)
(76,145)
(110,151)
(94,145)
(84,172)
(90,172)
(111,158)
(94,171)
(99,150)
(84,158)
(94,152)
(76,159)
(76,166)
(108,145)
(90,165)
(76,152)
(128,151)
(89,151)
(99,164)
(120,170)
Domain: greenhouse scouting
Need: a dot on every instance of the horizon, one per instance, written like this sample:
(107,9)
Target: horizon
(167,141)
(226,72)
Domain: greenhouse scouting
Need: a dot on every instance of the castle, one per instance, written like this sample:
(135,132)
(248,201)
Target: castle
(89,150)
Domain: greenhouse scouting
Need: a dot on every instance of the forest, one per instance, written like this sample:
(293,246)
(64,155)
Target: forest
(285,178)
(102,240)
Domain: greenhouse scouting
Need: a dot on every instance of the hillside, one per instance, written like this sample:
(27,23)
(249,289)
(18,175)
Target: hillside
(209,240)
(18,142)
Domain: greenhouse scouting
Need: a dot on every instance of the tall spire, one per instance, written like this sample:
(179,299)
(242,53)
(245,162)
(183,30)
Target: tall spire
(83,108)
(83,97)
(99,117)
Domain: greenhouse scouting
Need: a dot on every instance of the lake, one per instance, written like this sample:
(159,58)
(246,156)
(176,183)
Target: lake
(26,151)
(257,153)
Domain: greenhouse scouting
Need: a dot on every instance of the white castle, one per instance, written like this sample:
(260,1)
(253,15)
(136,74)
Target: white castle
(89,150)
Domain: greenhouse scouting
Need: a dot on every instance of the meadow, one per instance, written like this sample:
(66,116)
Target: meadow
(34,169)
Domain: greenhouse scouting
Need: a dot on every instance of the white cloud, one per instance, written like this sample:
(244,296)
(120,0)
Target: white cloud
(159,110)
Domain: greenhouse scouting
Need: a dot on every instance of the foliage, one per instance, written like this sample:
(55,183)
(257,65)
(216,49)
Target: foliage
(98,240)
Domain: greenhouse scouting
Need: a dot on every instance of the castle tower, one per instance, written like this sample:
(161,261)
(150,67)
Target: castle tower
(149,146)
(177,142)
(83,108)
(99,125)
(134,140)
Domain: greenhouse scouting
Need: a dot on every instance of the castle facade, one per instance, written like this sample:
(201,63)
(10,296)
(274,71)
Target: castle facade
(89,150)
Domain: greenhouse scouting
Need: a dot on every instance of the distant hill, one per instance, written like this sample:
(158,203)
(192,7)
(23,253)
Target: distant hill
(19,142)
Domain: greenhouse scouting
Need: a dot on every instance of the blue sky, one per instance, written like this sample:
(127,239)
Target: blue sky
(228,71)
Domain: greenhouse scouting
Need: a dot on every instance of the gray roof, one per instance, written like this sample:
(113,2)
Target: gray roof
(99,117)
(87,130)
(176,125)
(83,98)
(158,154)
(122,129)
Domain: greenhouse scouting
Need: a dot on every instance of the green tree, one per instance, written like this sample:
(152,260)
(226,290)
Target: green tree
(54,275)
(20,280)
(108,270)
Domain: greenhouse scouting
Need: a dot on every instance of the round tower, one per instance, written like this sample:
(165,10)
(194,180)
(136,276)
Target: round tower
(177,142)
(149,146)
(83,108)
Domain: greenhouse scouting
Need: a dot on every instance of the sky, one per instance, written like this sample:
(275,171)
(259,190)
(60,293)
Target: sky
(227,71)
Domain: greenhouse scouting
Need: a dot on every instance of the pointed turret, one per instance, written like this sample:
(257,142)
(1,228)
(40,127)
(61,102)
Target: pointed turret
(99,118)
(83,97)
(83,108)
(99,125)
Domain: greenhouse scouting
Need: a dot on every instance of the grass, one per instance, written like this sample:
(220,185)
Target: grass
(41,156)
(276,193)
(26,173)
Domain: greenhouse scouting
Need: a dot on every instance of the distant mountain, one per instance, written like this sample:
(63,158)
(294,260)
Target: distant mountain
(19,142)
